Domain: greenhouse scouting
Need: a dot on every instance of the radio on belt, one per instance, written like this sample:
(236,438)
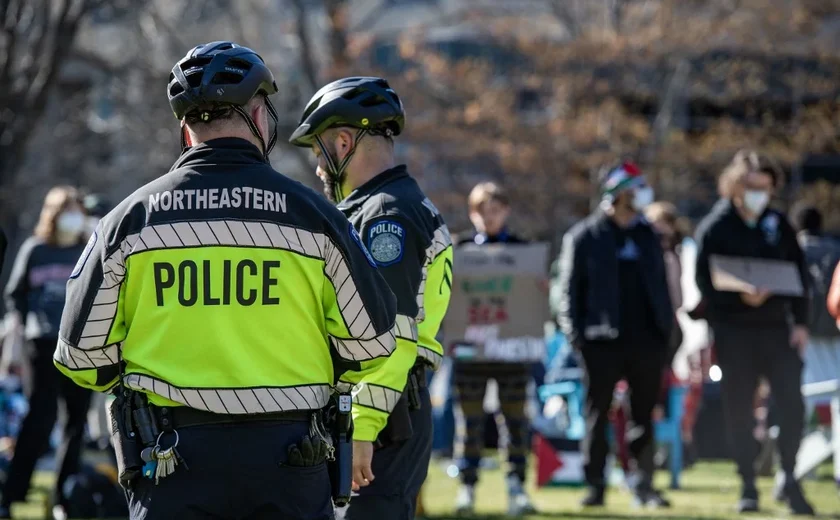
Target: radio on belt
(341,469)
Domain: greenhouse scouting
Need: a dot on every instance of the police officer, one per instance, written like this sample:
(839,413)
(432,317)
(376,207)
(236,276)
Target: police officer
(350,125)
(756,333)
(217,298)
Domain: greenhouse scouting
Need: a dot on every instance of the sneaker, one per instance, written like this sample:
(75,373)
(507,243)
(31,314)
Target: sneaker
(650,498)
(796,500)
(518,501)
(779,494)
(594,497)
(59,513)
(749,500)
(465,501)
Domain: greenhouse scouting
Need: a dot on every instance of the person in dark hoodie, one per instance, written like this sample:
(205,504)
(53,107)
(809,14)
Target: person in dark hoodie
(35,299)
(615,310)
(756,334)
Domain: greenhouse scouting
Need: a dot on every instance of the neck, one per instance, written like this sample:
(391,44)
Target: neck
(358,173)
(621,216)
(203,137)
(745,215)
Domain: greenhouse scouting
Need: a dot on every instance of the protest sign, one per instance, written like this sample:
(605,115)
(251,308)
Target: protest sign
(743,274)
(498,305)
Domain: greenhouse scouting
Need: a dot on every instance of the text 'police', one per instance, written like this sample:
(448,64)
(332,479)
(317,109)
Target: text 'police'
(218,198)
(247,283)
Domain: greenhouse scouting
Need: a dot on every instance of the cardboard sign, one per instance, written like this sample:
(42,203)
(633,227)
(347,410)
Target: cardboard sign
(499,304)
(743,274)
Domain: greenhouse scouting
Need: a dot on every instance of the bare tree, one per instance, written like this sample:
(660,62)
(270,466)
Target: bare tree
(36,37)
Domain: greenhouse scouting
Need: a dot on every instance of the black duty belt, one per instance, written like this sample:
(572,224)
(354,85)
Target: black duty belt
(184,417)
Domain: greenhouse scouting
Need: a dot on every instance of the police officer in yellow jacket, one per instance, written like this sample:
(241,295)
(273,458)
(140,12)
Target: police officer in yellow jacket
(350,125)
(223,299)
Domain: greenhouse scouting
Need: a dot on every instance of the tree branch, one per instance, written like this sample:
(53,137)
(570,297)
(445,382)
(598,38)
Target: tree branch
(307,58)
(10,28)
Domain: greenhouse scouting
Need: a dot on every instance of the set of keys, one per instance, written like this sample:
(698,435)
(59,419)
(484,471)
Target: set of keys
(161,462)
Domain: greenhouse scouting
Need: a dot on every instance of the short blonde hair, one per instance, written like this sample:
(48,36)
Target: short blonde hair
(485,192)
(744,162)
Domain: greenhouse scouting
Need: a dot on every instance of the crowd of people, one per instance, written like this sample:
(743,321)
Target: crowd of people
(70,303)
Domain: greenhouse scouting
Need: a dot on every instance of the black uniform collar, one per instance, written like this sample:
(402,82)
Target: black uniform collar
(225,150)
(358,196)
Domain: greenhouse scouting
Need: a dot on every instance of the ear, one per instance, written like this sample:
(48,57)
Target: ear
(259,114)
(343,143)
(187,136)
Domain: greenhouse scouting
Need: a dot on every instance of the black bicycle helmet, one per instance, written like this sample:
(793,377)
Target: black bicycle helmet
(366,103)
(220,74)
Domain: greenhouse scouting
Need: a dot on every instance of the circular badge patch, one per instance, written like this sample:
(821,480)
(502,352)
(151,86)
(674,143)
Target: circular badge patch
(386,247)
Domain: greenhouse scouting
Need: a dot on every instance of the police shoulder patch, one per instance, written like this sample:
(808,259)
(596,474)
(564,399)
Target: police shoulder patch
(358,240)
(386,241)
(80,263)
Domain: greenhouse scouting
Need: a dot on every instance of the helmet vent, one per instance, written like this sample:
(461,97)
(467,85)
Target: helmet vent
(372,101)
(239,64)
(226,78)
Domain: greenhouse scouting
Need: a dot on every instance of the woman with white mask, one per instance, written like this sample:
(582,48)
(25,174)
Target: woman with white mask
(757,334)
(35,299)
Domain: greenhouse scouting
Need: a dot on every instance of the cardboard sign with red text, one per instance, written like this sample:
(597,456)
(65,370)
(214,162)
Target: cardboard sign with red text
(499,303)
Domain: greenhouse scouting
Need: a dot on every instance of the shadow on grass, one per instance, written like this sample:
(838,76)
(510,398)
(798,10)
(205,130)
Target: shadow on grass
(612,516)
(577,514)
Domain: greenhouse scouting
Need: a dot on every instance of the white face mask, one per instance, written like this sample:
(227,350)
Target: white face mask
(756,201)
(642,198)
(70,223)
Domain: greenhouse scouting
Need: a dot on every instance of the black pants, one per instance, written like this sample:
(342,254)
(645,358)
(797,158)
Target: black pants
(744,354)
(605,365)
(236,472)
(399,470)
(470,384)
(46,388)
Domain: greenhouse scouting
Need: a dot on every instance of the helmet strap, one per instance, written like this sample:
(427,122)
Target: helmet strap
(254,130)
(338,171)
(183,136)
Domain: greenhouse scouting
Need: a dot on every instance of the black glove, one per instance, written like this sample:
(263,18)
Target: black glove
(308,453)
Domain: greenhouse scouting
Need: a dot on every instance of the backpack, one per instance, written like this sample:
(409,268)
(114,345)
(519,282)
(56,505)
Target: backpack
(821,258)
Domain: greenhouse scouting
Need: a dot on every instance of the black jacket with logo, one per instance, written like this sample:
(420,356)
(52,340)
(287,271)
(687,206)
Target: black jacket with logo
(411,245)
(589,307)
(723,232)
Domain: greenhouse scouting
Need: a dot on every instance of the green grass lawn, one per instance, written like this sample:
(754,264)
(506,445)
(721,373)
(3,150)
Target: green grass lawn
(709,491)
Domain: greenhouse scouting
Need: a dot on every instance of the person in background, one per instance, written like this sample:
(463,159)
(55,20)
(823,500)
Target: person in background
(664,218)
(4,243)
(35,297)
(616,311)
(96,207)
(756,334)
(489,209)
(822,356)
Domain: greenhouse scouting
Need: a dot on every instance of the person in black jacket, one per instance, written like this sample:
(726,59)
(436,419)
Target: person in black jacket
(756,334)
(615,310)
(35,297)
